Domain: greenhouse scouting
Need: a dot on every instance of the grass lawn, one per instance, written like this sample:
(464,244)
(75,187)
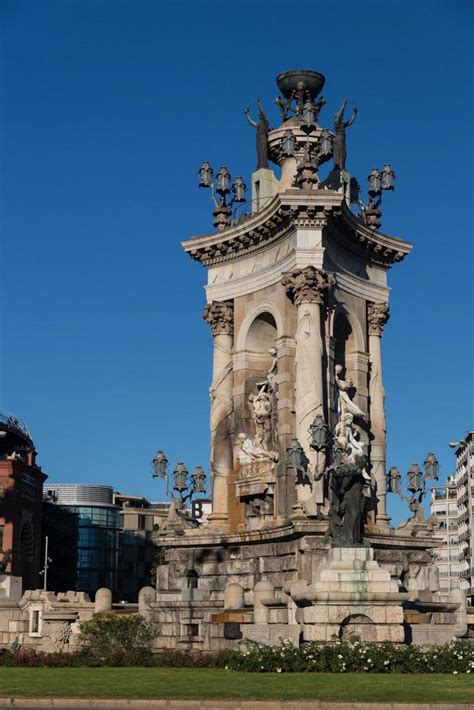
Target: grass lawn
(158,683)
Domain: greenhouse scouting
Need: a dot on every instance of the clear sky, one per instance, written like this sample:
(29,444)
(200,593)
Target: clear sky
(108,109)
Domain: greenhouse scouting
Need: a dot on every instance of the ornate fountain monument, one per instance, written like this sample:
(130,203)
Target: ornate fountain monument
(299,544)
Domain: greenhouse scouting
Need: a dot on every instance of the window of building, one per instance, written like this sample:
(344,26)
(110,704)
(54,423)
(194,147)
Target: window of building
(141,522)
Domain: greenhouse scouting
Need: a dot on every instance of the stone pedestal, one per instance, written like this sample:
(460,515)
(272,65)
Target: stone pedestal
(354,570)
(10,588)
(256,488)
(264,187)
(355,599)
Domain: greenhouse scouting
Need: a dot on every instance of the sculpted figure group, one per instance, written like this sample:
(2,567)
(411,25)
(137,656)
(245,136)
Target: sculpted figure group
(349,483)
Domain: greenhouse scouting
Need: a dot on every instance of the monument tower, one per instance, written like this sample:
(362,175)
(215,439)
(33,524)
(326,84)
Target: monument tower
(297,301)
(295,289)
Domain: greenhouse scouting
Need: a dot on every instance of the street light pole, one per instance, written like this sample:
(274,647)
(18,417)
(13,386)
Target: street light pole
(46,564)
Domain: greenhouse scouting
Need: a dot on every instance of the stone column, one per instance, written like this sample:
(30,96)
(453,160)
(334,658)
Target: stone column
(220,316)
(306,288)
(377,316)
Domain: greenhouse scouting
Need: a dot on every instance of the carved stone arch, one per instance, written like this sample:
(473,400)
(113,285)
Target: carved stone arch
(356,331)
(260,312)
(358,628)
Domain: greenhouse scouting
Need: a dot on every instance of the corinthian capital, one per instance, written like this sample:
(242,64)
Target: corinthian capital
(220,316)
(377,316)
(307,285)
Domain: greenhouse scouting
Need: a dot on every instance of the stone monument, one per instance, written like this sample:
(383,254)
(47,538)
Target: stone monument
(299,544)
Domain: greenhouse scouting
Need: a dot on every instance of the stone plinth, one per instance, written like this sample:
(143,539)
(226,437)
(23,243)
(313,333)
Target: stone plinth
(10,588)
(355,599)
(353,569)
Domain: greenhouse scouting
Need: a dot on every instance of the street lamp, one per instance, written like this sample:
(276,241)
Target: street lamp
(431,466)
(159,465)
(222,186)
(416,484)
(288,145)
(379,181)
(298,461)
(180,476)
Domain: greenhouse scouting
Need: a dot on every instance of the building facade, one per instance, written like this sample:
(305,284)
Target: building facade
(82,525)
(464,480)
(21,494)
(444,512)
(139,523)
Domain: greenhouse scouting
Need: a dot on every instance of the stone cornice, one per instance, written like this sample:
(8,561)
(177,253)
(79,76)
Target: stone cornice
(380,249)
(298,209)
(299,529)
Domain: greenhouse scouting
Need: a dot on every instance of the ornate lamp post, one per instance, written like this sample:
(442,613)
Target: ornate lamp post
(298,461)
(159,465)
(416,484)
(319,442)
(223,187)
(379,180)
(180,479)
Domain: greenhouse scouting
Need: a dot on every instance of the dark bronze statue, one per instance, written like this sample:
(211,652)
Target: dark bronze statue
(339,149)
(346,515)
(263,127)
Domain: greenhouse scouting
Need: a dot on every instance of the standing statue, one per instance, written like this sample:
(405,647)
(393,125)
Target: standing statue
(263,128)
(349,482)
(339,149)
(352,505)
(273,371)
(347,504)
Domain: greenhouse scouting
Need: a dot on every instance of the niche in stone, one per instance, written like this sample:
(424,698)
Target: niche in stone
(262,334)
(358,628)
(192,579)
(344,339)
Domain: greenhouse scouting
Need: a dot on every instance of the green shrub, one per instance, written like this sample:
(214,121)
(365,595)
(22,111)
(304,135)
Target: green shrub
(122,640)
(314,657)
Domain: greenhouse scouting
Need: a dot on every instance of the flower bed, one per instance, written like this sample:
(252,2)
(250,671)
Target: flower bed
(457,657)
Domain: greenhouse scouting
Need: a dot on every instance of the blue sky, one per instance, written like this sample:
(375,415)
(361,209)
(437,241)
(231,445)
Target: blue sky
(107,111)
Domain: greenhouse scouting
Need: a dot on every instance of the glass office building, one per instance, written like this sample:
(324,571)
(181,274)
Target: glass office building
(82,525)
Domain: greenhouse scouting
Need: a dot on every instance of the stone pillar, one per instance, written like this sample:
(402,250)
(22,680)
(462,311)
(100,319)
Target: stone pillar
(146,597)
(103,601)
(233,596)
(220,316)
(306,288)
(377,316)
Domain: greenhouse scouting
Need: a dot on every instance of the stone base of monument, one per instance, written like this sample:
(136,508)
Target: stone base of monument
(355,599)
(10,588)
(215,590)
